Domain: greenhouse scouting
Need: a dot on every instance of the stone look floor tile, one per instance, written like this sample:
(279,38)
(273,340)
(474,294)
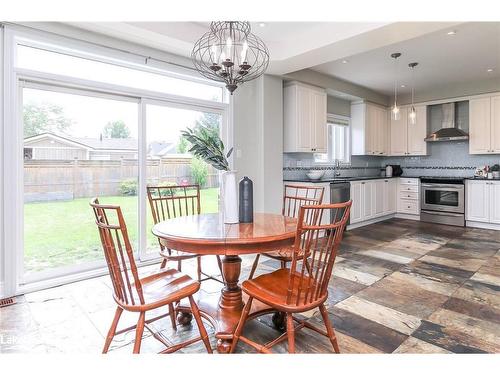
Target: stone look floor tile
(398,286)
(388,317)
(414,345)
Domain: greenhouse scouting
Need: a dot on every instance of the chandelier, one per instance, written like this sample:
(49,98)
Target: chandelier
(230,53)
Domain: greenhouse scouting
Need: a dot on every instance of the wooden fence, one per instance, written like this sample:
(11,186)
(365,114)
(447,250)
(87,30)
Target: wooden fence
(48,180)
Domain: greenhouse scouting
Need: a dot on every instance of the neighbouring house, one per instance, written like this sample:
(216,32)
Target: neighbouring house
(49,146)
(158,150)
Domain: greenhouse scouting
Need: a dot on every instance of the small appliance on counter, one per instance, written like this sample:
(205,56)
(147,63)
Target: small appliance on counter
(388,171)
(396,170)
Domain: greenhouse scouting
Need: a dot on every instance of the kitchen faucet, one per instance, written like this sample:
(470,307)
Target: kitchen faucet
(336,166)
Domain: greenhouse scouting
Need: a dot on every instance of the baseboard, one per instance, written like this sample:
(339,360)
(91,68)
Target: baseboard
(371,221)
(407,216)
(477,224)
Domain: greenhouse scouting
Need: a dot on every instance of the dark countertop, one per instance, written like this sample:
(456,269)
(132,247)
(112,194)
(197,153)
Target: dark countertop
(340,179)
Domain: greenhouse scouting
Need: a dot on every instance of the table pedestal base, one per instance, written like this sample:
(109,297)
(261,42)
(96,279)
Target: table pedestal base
(223,310)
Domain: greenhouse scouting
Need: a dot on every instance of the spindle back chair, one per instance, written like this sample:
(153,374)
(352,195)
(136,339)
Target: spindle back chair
(294,196)
(168,202)
(304,286)
(136,294)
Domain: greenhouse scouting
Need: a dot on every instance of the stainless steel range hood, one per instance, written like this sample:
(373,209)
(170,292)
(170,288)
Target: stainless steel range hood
(449,131)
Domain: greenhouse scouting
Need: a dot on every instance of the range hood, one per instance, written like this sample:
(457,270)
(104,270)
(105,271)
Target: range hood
(448,131)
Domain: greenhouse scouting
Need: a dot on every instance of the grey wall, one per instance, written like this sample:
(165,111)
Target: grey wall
(333,83)
(258,136)
(338,106)
(454,91)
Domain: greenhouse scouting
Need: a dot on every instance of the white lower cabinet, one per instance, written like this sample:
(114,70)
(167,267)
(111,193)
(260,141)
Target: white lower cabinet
(483,202)
(408,196)
(372,199)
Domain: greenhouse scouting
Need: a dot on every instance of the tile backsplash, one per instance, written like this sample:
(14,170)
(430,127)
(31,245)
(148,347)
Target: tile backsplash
(444,159)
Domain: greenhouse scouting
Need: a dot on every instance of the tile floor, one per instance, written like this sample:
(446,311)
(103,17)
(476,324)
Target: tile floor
(398,287)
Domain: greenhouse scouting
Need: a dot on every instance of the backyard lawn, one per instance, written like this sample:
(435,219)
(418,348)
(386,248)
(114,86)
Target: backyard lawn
(63,233)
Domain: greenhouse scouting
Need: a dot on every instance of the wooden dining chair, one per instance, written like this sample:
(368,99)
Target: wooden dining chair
(294,196)
(141,295)
(168,202)
(304,286)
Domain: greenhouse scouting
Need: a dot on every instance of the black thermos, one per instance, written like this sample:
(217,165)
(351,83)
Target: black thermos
(246,200)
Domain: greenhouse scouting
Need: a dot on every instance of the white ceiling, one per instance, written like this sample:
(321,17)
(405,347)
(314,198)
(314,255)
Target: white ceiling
(367,46)
(443,60)
(285,40)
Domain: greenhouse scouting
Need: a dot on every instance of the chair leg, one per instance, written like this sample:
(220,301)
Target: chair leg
(112,330)
(199,322)
(198,268)
(179,265)
(290,331)
(329,328)
(241,323)
(254,266)
(171,311)
(138,332)
(283,264)
(163,264)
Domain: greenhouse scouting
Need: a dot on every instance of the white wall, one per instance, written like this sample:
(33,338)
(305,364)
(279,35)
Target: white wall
(2,247)
(258,139)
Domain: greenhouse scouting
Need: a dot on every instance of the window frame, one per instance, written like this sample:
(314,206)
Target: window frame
(333,119)
(14,80)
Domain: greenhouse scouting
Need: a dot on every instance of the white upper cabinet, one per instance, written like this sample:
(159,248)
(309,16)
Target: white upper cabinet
(417,132)
(399,134)
(304,115)
(495,124)
(409,139)
(369,129)
(480,116)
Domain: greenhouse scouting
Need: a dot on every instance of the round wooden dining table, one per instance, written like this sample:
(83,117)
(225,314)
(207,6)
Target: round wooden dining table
(207,234)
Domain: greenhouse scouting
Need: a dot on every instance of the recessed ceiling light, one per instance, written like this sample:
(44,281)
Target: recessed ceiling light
(262,24)
(345,61)
(489,70)
(452,32)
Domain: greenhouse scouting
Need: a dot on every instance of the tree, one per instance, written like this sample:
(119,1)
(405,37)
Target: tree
(210,121)
(116,129)
(44,118)
(183,145)
(199,170)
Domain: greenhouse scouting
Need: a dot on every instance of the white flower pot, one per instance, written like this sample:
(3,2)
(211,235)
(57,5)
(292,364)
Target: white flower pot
(228,199)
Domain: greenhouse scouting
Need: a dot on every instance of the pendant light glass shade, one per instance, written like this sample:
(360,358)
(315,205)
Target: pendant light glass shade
(395,112)
(412,113)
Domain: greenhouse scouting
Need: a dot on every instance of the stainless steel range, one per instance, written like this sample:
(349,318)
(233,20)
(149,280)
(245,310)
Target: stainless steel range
(443,200)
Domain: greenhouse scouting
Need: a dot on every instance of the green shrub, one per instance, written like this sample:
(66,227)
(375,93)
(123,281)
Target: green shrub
(199,170)
(128,187)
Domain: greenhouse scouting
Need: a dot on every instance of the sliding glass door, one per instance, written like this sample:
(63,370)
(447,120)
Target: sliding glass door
(79,145)
(76,146)
(169,162)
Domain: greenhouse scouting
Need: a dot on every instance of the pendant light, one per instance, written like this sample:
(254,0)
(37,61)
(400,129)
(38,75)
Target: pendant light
(230,53)
(395,114)
(412,114)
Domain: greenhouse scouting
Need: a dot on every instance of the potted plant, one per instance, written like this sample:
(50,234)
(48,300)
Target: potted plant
(208,146)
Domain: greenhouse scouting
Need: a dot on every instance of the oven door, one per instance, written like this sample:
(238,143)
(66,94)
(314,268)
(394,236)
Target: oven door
(443,197)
